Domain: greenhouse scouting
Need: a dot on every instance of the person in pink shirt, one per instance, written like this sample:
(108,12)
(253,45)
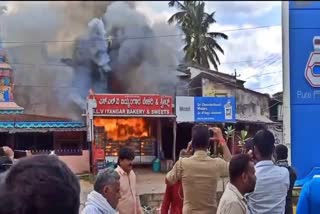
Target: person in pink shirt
(129,202)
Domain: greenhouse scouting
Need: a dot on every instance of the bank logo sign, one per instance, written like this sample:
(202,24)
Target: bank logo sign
(312,71)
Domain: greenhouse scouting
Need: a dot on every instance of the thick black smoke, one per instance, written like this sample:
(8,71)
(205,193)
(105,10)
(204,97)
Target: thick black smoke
(142,61)
(96,40)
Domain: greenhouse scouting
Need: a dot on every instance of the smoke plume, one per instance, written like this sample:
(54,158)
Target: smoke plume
(97,40)
(141,60)
(44,85)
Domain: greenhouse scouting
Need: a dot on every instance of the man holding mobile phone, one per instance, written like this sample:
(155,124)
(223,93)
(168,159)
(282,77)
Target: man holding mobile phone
(269,196)
(200,173)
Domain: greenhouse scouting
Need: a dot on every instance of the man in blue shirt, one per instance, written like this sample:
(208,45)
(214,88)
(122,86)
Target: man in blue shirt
(269,196)
(309,199)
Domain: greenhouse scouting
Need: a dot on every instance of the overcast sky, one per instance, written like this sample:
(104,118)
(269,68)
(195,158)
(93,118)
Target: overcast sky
(256,53)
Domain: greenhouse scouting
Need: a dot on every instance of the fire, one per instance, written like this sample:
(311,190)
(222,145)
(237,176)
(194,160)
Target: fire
(122,129)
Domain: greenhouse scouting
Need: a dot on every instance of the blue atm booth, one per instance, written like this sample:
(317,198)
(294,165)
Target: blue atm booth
(304,61)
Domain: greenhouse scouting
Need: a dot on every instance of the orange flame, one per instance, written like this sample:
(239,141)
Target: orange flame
(122,129)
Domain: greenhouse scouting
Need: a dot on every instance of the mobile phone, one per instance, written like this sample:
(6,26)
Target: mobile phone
(19,154)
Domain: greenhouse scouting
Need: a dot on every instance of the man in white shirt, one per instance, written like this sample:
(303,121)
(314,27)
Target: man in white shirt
(129,202)
(242,181)
(269,196)
(106,194)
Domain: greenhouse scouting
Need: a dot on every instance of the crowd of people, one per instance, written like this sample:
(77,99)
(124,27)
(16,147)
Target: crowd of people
(43,184)
(260,182)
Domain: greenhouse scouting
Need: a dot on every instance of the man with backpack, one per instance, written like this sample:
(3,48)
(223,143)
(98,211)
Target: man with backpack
(281,156)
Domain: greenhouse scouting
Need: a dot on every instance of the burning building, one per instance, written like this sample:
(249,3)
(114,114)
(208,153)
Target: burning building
(129,120)
(118,50)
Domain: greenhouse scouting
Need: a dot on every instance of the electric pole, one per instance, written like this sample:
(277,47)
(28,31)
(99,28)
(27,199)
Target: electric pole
(235,81)
(235,96)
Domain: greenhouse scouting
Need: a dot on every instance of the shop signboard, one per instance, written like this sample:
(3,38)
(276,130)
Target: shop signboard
(304,88)
(185,109)
(215,109)
(132,105)
(206,109)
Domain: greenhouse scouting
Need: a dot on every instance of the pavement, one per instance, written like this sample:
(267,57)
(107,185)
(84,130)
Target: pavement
(86,188)
(148,182)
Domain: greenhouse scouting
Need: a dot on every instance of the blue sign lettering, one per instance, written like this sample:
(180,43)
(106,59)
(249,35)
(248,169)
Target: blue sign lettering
(215,109)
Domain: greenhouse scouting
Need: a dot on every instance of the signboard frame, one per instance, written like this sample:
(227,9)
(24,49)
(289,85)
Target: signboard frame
(133,105)
(286,78)
(301,95)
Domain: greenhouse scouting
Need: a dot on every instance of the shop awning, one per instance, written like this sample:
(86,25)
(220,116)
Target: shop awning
(41,130)
(34,123)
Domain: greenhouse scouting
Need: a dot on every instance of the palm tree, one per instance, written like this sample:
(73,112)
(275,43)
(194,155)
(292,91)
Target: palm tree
(201,46)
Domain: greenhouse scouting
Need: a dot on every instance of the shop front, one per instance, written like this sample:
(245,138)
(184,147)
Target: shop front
(127,120)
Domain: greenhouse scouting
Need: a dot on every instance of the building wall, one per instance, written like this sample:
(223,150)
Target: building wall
(277,130)
(78,164)
(248,103)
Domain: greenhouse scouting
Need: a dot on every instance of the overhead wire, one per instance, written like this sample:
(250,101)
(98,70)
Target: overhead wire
(274,58)
(160,67)
(173,66)
(132,37)
(266,86)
